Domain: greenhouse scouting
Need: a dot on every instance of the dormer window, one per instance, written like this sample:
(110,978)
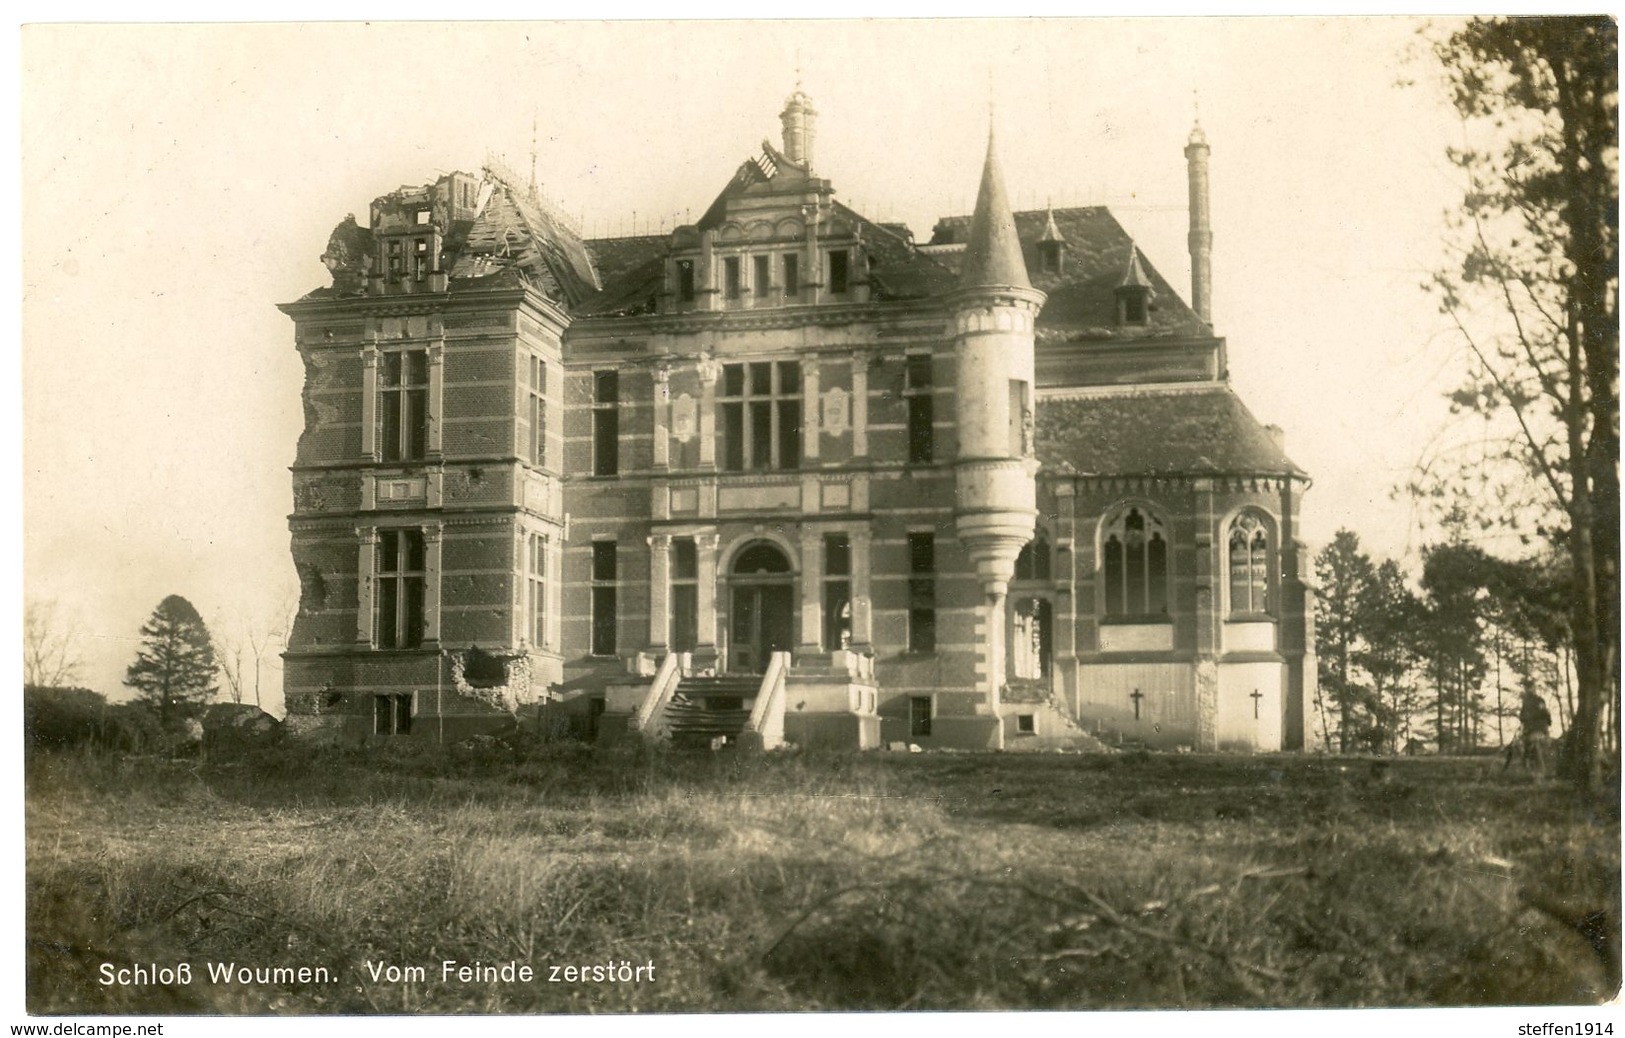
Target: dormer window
(1134,292)
(1049,257)
(1134,307)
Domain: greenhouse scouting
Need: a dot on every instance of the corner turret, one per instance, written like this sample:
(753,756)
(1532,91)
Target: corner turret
(995,490)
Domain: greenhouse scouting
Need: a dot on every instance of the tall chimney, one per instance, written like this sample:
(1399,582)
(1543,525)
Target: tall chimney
(800,121)
(1201,235)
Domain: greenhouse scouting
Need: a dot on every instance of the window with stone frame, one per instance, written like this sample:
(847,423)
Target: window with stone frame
(922,592)
(685,595)
(605,570)
(1032,626)
(839,271)
(792,275)
(536,584)
(919,715)
(918,393)
(392,714)
(606,423)
(837,591)
(759,411)
(1249,552)
(403,398)
(762,276)
(399,576)
(536,383)
(1134,566)
(685,281)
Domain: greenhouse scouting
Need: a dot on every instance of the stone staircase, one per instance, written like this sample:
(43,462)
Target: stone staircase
(705,709)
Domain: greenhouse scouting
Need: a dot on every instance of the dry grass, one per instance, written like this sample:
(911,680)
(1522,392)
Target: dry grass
(802,882)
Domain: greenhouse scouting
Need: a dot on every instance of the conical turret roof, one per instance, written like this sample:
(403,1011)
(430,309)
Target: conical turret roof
(993,251)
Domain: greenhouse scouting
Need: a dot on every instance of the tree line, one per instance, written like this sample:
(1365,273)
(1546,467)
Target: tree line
(1441,666)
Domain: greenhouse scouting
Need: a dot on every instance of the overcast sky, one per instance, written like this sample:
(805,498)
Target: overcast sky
(179,181)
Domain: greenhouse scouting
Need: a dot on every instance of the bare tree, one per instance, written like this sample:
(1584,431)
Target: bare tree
(51,654)
(1534,295)
(249,648)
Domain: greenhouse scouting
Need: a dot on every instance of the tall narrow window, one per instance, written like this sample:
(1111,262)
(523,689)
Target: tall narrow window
(420,259)
(917,389)
(730,277)
(404,396)
(1249,565)
(1032,628)
(838,273)
(792,275)
(685,595)
(922,593)
(606,423)
(685,281)
(399,577)
(1134,566)
(760,408)
(1021,420)
(537,583)
(538,411)
(763,276)
(919,715)
(837,591)
(603,598)
(395,257)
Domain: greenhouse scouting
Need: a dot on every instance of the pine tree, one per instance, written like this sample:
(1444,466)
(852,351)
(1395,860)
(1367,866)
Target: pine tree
(175,669)
(1345,574)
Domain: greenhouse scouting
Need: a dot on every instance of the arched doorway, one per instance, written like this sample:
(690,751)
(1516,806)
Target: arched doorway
(762,609)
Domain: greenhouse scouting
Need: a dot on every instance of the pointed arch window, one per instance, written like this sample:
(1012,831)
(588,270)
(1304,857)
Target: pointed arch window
(1134,566)
(1249,556)
(1032,626)
(1033,562)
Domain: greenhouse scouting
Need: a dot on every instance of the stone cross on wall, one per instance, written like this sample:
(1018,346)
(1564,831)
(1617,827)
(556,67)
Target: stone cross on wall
(1136,695)
(1256,696)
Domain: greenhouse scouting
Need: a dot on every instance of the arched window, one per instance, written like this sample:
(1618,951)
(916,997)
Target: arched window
(1134,565)
(1249,553)
(1033,562)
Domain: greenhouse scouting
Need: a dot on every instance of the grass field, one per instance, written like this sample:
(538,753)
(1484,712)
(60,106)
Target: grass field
(791,882)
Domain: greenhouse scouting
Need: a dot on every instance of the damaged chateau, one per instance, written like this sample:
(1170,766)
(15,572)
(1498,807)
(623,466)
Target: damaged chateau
(785,475)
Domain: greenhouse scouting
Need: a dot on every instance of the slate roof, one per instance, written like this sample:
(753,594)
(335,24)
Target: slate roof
(1205,432)
(896,269)
(1082,297)
(632,271)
